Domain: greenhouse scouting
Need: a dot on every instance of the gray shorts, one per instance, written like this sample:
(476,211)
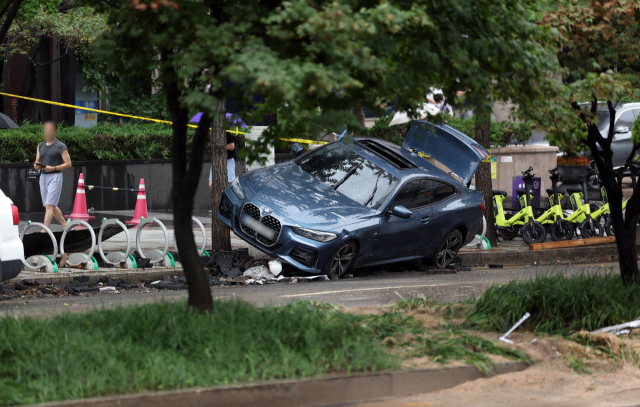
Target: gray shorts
(50,188)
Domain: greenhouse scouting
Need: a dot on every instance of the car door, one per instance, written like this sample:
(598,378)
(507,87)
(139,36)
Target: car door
(622,144)
(397,237)
(441,216)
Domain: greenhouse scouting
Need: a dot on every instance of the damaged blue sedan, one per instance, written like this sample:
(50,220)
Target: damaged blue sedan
(363,202)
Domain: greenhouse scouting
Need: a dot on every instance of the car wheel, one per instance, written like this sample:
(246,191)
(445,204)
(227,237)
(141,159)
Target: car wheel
(340,260)
(447,250)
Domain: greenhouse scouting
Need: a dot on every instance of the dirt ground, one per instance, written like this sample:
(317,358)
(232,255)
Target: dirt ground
(605,371)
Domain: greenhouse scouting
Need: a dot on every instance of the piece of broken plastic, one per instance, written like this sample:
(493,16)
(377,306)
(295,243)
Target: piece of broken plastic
(259,273)
(275,266)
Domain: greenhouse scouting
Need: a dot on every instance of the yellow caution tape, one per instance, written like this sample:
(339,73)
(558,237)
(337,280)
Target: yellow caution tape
(237,131)
(103,111)
(305,141)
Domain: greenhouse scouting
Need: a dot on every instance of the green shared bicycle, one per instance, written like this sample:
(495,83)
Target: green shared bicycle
(582,217)
(532,230)
(553,218)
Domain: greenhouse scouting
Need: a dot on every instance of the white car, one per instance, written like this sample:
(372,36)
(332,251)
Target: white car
(11,249)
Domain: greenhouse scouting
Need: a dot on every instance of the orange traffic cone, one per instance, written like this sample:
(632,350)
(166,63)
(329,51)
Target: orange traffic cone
(80,204)
(141,206)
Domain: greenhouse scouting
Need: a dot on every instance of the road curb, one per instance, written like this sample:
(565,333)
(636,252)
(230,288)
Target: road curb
(573,255)
(304,393)
(127,275)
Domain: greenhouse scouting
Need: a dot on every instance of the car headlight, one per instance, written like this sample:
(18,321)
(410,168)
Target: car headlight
(314,234)
(235,187)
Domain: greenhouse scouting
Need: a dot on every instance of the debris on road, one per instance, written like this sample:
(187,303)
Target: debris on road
(504,338)
(617,329)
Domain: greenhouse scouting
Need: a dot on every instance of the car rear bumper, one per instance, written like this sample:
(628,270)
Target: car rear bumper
(302,253)
(10,269)
(11,253)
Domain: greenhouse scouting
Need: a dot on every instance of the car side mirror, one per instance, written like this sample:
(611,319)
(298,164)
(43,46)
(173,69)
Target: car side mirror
(297,149)
(401,212)
(621,129)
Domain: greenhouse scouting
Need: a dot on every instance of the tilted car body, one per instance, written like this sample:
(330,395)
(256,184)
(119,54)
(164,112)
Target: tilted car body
(362,202)
(11,249)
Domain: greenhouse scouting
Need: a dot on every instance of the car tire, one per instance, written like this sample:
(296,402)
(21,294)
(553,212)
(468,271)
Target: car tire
(447,250)
(340,261)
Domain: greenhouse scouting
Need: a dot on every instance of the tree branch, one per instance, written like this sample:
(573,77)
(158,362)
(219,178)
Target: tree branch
(11,15)
(52,61)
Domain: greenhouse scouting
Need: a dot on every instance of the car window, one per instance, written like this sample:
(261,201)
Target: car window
(626,119)
(350,174)
(440,191)
(414,194)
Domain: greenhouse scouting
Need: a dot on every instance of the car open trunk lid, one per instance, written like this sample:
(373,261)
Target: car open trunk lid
(460,153)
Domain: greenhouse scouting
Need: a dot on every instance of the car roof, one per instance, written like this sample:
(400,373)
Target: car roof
(422,166)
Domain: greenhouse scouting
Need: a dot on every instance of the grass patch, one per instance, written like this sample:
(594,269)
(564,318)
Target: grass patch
(457,345)
(558,304)
(164,346)
(576,364)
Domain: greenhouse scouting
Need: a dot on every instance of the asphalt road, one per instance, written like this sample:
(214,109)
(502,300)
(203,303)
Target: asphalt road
(373,289)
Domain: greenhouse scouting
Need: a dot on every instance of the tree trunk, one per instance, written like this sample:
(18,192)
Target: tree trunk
(220,234)
(186,177)
(483,174)
(625,227)
(359,112)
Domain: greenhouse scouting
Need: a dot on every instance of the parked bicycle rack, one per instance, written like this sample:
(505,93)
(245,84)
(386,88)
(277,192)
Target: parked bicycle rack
(121,259)
(39,261)
(203,250)
(155,256)
(80,260)
(480,241)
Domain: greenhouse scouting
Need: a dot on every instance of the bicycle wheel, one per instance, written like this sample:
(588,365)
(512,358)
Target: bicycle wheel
(535,234)
(561,232)
(509,233)
(591,229)
(608,227)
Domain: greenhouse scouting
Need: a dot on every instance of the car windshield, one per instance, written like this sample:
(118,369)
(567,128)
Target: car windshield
(350,174)
(603,119)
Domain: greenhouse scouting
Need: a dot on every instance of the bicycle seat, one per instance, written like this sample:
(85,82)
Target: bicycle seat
(549,191)
(520,192)
(575,190)
(497,192)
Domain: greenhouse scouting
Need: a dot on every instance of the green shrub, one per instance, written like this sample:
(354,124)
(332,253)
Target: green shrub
(103,142)
(558,304)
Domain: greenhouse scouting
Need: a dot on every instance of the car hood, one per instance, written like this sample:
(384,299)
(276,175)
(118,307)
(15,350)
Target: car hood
(293,193)
(460,153)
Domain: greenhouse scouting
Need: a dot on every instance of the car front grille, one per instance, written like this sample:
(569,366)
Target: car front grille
(253,211)
(304,255)
(269,221)
(273,224)
(226,207)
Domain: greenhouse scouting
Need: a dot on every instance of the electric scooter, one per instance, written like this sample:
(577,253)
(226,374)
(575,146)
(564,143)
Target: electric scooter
(532,230)
(581,216)
(553,218)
